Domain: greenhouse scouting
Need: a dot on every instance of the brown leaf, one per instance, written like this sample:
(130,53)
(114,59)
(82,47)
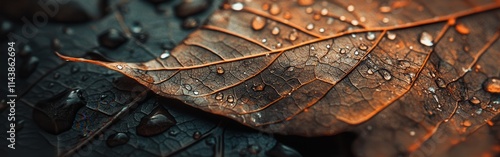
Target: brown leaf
(403,72)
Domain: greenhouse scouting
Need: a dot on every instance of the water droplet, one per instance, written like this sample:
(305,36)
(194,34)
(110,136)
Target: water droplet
(462,29)
(237,6)
(474,100)
(219,96)
(342,18)
(312,48)
(385,20)
(230,99)
(258,87)
(403,64)
(287,15)
(440,83)
(370,71)
(363,47)
(264,40)
(391,36)
(220,70)
(479,111)
(356,52)
(258,23)
(492,85)
(254,149)
(324,11)
(191,7)
(190,23)
(426,39)
(316,16)
(309,10)
(112,38)
(188,87)
(305,2)
(117,139)
(119,67)
(385,9)
(278,45)
(354,22)
(310,26)
(275,9)
(165,54)
(385,74)
(342,50)
(370,36)
(56,44)
(283,150)
(155,123)
(197,135)
(275,31)
(293,35)
(350,8)
(330,21)
(412,133)
(321,30)
(56,114)
(467,123)
(290,69)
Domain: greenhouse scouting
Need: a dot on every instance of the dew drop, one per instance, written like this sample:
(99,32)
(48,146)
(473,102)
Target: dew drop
(165,54)
(385,20)
(290,69)
(474,100)
(412,133)
(188,87)
(342,51)
(385,9)
(237,6)
(310,26)
(293,35)
(328,46)
(220,70)
(354,22)
(305,2)
(440,83)
(324,11)
(119,67)
(391,35)
(112,38)
(117,139)
(342,18)
(230,99)
(385,74)
(321,30)
(275,30)
(275,9)
(370,71)
(155,123)
(426,39)
(173,132)
(197,135)
(462,29)
(190,23)
(264,40)
(492,85)
(258,87)
(258,23)
(316,16)
(466,123)
(370,36)
(278,45)
(312,48)
(350,8)
(363,47)
(196,92)
(403,64)
(219,96)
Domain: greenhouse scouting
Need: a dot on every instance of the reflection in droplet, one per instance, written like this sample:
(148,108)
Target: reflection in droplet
(187,87)
(492,85)
(426,39)
(370,36)
(165,54)
(275,31)
(391,35)
(155,123)
(258,23)
(385,9)
(385,74)
(474,100)
(342,50)
(117,139)
(275,9)
(363,47)
(237,6)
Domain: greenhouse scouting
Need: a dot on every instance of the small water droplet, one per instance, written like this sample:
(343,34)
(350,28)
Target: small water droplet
(305,2)
(412,133)
(426,39)
(309,10)
(440,83)
(188,87)
(275,30)
(112,38)
(370,36)
(342,18)
(275,9)
(219,96)
(321,30)
(324,11)
(278,45)
(328,46)
(385,9)
(354,22)
(391,35)
(316,16)
(370,71)
(237,6)
(467,123)
(165,54)
(197,135)
(462,29)
(258,23)
(404,64)
(350,8)
(385,20)
(230,99)
(310,26)
(363,47)
(258,87)
(173,132)
(196,92)
(342,50)
(155,123)
(290,69)
(287,15)
(211,140)
(492,85)
(293,35)
(220,70)
(312,48)
(474,100)
(119,67)
(356,52)
(117,139)
(385,74)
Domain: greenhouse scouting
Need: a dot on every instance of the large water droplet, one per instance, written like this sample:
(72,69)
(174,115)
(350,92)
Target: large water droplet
(112,38)
(155,123)
(275,31)
(440,83)
(275,9)
(492,85)
(280,150)
(426,39)
(350,8)
(117,139)
(258,23)
(363,47)
(237,6)
(385,74)
(56,114)
(258,87)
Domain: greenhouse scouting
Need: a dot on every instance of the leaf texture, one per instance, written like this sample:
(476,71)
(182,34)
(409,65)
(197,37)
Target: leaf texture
(321,68)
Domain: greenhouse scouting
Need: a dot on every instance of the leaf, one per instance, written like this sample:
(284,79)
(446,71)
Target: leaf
(76,109)
(403,72)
